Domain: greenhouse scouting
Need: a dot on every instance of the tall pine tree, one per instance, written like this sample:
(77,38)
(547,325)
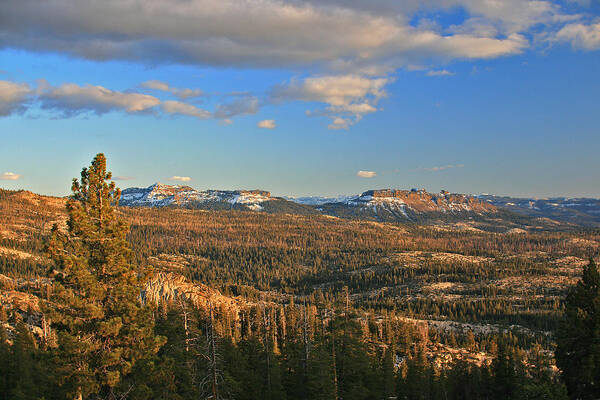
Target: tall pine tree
(101,326)
(578,337)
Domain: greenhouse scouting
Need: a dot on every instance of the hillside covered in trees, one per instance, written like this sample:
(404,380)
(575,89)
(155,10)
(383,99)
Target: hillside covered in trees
(99,301)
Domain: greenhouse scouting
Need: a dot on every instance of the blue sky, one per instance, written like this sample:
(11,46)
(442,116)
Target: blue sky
(298,97)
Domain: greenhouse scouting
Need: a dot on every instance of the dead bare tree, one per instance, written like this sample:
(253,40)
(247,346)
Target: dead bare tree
(334,362)
(186,317)
(211,385)
(267,344)
(306,342)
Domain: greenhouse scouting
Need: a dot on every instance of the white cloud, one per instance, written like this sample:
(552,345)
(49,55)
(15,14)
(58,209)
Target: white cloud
(355,35)
(366,174)
(581,36)
(340,90)
(267,124)
(510,16)
(443,167)
(441,72)
(354,45)
(177,107)
(165,87)
(349,97)
(243,106)
(340,123)
(13,97)
(122,178)
(10,176)
(156,85)
(72,99)
(180,178)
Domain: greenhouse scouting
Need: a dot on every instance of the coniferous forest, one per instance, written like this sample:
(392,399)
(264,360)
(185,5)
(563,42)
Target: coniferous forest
(102,302)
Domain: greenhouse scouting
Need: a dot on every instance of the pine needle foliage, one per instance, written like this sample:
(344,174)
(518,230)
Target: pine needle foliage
(578,338)
(102,328)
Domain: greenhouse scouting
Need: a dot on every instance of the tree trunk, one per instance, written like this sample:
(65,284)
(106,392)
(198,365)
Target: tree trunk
(185,324)
(335,380)
(213,356)
(267,349)
(306,345)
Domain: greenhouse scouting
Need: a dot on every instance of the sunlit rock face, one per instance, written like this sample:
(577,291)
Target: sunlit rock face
(159,195)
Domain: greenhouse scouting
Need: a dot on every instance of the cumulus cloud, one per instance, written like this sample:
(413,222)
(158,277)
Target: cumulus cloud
(72,99)
(243,106)
(10,176)
(443,167)
(340,90)
(510,14)
(441,72)
(348,97)
(13,97)
(581,36)
(340,123)
(366,174)
(267,124)
(178,92)
(354,46)
(177,107)
(180,178)
(331,33)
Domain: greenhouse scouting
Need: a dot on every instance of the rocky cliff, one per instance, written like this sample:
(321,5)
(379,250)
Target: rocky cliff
(422,201)
(159,195)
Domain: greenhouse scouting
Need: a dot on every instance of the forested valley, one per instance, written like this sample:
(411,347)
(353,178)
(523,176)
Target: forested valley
(105,302)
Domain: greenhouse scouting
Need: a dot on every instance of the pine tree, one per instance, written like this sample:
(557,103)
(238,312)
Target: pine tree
(320,384)
(213,381)
(503,369)
(5,358)
(22,370)
(389,377)
(102,328)
(170,374)
(578,337)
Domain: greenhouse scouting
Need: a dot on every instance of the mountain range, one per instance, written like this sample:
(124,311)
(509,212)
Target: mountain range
(384,205)
(159,195)
(402,202)
(579,211)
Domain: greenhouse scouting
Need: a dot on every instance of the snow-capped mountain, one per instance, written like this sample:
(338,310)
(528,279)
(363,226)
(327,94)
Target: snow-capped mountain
(317,200)
(388,205)
(421,201)
(581,211)
(399,205)
(159,195)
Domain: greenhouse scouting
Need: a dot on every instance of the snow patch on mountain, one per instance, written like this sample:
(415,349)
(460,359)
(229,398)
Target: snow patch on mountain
(318,200)
(417,201)
(159,195)
(583,211)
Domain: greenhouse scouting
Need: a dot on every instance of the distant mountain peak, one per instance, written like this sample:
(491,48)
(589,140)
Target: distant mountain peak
(161,195)
(407,205)
(318,200)
(420,200)
(391,205)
